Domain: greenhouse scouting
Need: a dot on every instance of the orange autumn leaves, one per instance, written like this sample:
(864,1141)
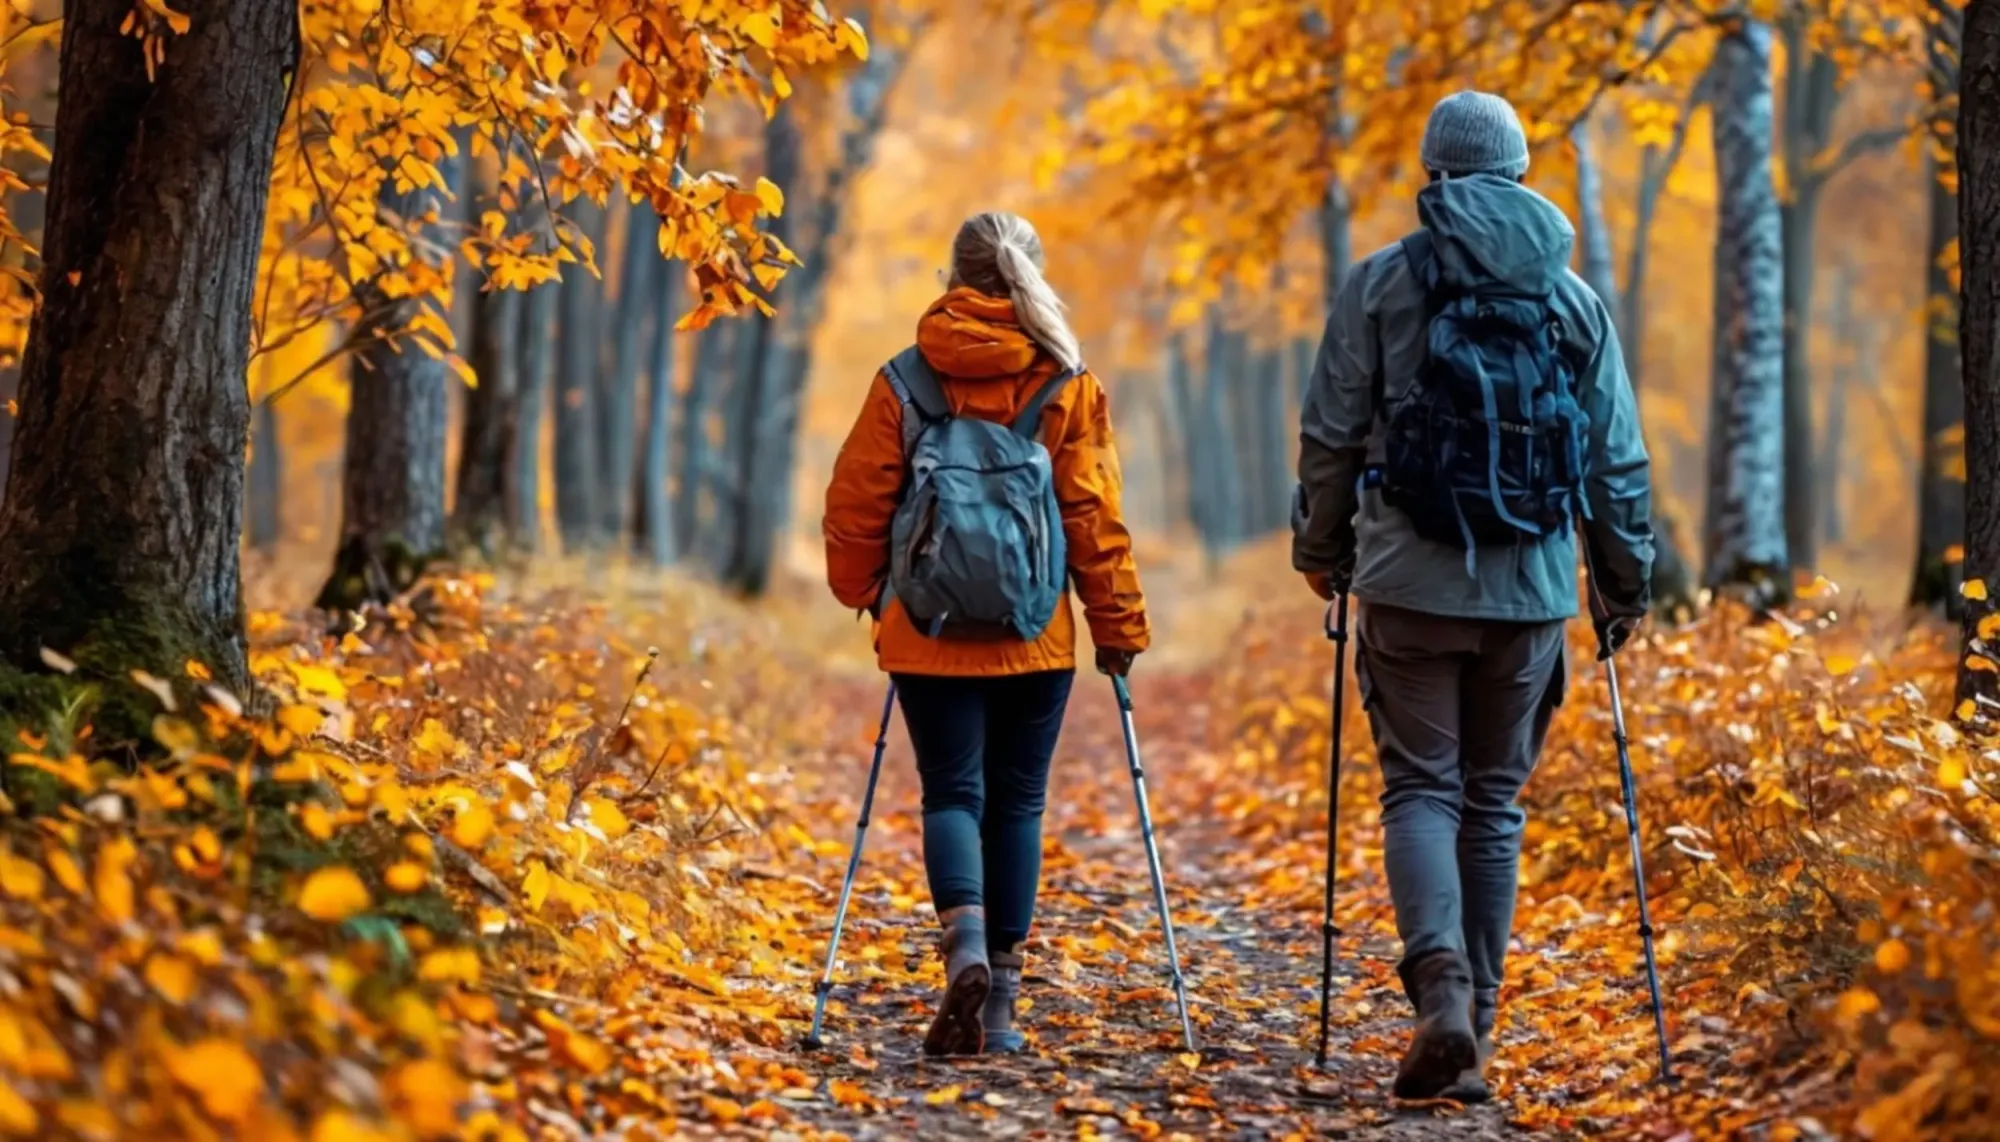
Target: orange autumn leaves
(289,928)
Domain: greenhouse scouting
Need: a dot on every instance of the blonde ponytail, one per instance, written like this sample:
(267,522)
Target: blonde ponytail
(1001,255)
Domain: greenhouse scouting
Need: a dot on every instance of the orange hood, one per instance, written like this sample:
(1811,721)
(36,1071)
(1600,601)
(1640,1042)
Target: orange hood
(969,335)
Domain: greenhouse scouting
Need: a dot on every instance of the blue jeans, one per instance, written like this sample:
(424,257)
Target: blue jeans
(983,747)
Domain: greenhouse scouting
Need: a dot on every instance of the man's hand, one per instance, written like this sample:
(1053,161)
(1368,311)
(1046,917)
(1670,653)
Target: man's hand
(1322,584)
(1114,662)
(1613,634)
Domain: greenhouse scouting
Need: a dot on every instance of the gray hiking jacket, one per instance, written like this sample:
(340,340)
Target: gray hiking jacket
(1486,230)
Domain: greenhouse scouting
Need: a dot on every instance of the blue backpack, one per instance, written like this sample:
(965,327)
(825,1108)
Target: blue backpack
(976,546)
(1489,447)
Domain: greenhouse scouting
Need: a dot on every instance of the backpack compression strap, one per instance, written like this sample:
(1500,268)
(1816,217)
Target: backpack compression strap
(915,384)
(1029,423)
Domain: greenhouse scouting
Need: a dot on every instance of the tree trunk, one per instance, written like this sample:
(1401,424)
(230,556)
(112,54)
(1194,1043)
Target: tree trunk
(1746,514)
(392,482)
(124,509)
(1797,221)
(695,488)
(638,308)
(1594,231)
(580,335)
(1672,591)
(1274,454)
(654,531)
(1979,339)
(1832,524)
(1943,472)
(1195,459)
(1811,95)
(757,418)
(266,476)
(488,436)
(538,308)
(1225,486)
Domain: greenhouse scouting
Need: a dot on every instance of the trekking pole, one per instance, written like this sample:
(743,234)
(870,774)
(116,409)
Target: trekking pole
(1638,859)
(812,1040)
(1336,633)
(1124,693)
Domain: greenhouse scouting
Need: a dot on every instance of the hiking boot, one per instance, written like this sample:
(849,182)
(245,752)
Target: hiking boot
(1001,1036)
(1471,1085)
(968,979)
(1444,1046)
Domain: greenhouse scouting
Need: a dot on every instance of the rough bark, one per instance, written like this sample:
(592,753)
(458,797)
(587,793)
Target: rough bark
(392,506)
(1746,518)
(654,530)
(124,509)
(1979,338)
(266,477)
(479,515)
(1673,593)
(1941,482)
(581,338)
(638,308)
(537,340)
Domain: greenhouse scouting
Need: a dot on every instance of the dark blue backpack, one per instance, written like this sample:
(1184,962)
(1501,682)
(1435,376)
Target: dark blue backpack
(1488,448)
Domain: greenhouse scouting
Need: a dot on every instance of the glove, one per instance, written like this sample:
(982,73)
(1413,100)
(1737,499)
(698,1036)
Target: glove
(1613,634)
(1114,662)
(1322,584)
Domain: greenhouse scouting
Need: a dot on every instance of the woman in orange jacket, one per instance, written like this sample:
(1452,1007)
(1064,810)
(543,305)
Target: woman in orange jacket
(983,715)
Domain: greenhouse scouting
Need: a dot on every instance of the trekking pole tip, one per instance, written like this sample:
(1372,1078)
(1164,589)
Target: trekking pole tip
(811,1042)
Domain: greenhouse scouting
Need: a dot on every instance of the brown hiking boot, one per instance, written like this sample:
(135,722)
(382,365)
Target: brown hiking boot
(1002,1037)
(1471,1086)
(956,1029)
(1444,1046)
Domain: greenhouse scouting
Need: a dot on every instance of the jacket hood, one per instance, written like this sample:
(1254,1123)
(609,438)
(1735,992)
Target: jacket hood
(969,335)
(1492,231)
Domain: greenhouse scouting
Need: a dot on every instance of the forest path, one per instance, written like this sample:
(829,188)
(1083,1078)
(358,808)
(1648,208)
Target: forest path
(1105,1055)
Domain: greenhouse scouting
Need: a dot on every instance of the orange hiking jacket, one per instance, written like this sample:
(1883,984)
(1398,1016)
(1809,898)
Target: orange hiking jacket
(988,368)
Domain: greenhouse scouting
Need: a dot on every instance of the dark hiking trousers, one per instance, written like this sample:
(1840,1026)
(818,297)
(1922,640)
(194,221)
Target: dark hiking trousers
(983,747)
(1459,708)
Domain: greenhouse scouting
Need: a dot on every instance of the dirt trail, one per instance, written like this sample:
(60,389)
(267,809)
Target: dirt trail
(1105,1052)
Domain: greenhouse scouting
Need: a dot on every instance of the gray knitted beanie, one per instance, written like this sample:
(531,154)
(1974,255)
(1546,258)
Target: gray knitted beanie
(1471,132)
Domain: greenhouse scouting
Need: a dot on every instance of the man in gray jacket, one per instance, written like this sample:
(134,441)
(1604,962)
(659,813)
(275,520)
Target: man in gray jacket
(1460,653)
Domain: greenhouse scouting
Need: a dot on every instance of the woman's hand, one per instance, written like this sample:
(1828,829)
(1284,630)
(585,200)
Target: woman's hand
(1114,662)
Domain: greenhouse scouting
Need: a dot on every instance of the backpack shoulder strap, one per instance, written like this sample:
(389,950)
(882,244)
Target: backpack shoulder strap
(1029,423)
(1420,254)
(915,384)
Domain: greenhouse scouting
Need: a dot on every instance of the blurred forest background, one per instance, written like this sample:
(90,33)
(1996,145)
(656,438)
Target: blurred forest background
(300,299)
(1769,207)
